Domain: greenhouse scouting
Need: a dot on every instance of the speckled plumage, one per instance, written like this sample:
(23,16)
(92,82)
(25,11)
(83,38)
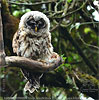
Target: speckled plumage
(31,44)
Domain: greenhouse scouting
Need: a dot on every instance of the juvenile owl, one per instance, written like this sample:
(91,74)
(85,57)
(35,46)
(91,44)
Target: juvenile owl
(33,40)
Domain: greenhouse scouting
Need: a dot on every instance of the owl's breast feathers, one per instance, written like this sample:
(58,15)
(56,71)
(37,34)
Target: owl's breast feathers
(34,47)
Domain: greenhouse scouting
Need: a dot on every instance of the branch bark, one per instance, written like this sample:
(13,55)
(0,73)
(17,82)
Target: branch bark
(36,66)
(2,52)
(86,84)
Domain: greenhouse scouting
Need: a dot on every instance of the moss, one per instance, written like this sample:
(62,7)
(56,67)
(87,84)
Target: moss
(5,8)
(86,77)
(10,26)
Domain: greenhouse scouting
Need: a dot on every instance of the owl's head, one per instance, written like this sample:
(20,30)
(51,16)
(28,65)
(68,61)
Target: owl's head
(35,22)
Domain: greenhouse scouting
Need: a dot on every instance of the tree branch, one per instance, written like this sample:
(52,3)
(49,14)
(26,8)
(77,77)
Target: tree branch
(36,66)
(2,52)
(74,43)
(87,84)
(32,4)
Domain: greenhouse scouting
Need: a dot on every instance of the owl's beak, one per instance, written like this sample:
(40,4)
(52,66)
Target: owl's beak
(35,28)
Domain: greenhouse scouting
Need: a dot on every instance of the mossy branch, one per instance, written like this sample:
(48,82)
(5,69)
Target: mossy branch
(87,84)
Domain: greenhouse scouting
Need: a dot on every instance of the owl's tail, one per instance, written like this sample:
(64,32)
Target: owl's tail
(33,84)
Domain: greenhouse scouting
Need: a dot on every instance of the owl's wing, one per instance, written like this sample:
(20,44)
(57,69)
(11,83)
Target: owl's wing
(15,42)
(33,80)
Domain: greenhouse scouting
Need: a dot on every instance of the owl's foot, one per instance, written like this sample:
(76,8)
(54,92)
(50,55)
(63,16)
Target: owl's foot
(32,87)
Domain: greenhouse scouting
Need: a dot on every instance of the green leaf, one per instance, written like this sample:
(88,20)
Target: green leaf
(67,65)
(87,30)
(75,56)
(93,35)
(64,58)
(16,13)
(27,10)
(70,59)
(69,1)
(60,69)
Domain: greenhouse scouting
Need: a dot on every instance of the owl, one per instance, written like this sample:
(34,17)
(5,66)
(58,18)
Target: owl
(33,40)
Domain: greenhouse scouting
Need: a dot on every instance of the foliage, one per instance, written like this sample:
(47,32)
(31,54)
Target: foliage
(82,26)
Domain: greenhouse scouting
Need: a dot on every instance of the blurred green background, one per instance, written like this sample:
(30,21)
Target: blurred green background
(74,29)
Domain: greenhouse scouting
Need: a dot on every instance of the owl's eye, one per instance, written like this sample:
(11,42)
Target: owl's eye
(41,23)
(31,23)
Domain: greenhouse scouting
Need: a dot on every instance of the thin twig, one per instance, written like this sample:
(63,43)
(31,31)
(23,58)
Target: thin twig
(57,25)
(32,4)
(89,45)
(70,12)
(72,5)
